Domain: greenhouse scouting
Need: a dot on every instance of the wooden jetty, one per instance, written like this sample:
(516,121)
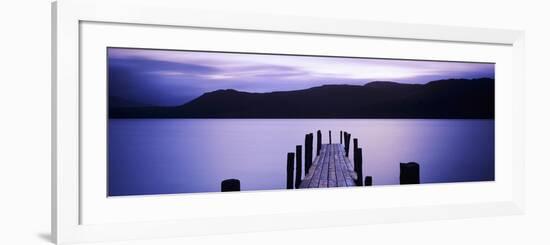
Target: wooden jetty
(331,168)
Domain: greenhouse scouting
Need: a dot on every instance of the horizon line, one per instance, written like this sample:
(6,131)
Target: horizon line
(278,91)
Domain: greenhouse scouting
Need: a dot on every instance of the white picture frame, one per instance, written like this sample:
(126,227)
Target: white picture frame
(68,16)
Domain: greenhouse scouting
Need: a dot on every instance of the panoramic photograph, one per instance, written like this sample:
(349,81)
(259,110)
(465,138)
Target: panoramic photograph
(188,121)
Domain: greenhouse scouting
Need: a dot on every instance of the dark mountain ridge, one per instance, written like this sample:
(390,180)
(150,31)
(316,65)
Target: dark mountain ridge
(452,98)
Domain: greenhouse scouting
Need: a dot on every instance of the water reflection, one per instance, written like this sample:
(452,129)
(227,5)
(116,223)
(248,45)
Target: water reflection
(157,156)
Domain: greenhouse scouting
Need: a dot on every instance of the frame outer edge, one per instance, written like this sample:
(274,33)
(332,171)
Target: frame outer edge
(65,127)
(53,133)
(518,192)
(64,102)
(160,14)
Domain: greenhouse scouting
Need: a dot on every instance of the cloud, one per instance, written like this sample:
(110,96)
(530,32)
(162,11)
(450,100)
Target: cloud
(174,77)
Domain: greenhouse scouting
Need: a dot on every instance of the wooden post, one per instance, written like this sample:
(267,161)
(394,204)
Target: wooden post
(231,185)
(409,173)
(346,143)
(290,170)
(358,165)
(298,166)
(308,154)
(355,144)
(340,137)
(310,149)
(319,141)
(368,180)
(345,137)
(329,137)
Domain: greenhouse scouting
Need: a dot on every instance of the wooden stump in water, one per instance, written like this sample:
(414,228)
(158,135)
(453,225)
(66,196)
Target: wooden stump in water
(298,166)
(329,137)
(358,165)
(341,137)
(368,180)
(308,154)
(347,137)
(290,170)
(409,173)
(319,141)
(231,185)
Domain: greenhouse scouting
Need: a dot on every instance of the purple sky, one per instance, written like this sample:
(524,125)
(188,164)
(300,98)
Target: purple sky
(166,77)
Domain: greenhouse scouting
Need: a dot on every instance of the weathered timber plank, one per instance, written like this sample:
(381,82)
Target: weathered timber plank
(341,181)
(345,170)
(350,168)
(332,181)
(330,169)
(323,181)
(309,177)
(314,183)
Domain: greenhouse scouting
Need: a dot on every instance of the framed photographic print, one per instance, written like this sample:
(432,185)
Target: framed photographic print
(183,121)
(170,122)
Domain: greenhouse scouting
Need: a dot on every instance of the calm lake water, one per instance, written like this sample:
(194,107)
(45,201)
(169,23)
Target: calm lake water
(160,156)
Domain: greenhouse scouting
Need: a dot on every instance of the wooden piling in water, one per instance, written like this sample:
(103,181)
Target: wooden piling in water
(290,170)
(409,173)
(231,185)
(319,141)
(298,166)
(358,165)
(347,137)
(355,144)
(308,154)
(340,136)
(345,143)
(329,137)
(368,180)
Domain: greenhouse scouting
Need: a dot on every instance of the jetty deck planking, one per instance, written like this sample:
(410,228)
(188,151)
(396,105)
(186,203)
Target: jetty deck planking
(330,169)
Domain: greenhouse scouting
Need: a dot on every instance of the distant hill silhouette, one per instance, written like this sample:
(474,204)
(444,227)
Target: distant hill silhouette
(453,98)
